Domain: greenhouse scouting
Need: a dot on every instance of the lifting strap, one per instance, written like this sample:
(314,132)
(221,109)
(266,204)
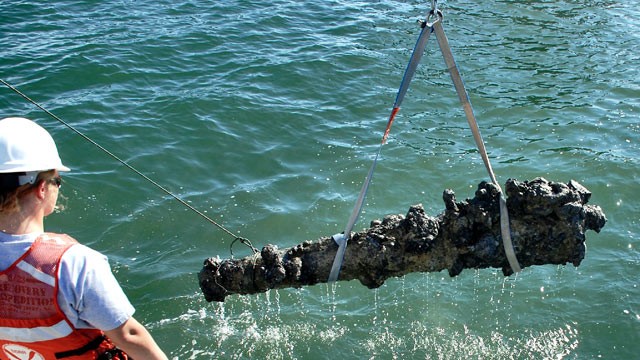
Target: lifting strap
(427,28)
(473,124)
(342,238)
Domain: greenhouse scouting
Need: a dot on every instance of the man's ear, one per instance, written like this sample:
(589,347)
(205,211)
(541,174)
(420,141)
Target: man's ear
(40,189)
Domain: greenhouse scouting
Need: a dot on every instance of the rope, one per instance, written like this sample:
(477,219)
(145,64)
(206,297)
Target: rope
(165,190)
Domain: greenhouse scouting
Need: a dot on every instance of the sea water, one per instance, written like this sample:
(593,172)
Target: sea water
(265,116)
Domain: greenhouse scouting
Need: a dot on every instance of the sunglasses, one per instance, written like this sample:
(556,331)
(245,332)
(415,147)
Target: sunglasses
(57,181)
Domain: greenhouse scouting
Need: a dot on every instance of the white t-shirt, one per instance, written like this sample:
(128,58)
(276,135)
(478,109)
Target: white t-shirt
(89,295)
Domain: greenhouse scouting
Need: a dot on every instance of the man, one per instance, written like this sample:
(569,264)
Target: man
(58,298)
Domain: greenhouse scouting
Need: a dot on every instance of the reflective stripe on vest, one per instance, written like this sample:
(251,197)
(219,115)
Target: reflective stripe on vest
(41,333)
(29,269)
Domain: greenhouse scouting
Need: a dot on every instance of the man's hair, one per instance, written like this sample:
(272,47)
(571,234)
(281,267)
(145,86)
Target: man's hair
(11,192)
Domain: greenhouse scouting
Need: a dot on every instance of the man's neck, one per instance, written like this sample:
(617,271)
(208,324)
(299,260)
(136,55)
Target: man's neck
(20,223)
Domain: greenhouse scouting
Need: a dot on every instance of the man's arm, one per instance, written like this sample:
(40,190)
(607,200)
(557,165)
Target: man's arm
(134,339)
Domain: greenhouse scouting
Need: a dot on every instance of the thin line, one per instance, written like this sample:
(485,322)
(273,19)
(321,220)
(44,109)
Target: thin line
(119,160)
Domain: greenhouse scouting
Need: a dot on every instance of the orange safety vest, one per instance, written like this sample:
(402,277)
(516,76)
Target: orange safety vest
(32,326)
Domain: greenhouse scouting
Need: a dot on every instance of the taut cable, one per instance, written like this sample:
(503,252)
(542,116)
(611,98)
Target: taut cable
(130,167)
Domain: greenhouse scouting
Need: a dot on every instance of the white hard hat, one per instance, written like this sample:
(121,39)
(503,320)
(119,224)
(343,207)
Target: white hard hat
(27,147)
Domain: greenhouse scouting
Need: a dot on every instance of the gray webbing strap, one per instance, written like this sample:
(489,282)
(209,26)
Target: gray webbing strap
(473,124)
(343,238)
